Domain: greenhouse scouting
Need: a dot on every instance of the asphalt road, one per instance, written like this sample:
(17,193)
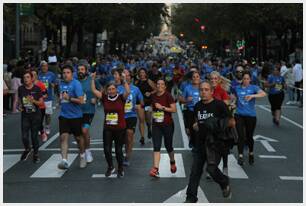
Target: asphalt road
(276,175)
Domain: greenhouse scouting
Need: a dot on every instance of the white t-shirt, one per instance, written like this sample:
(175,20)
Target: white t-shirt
(297,72)
(283,70)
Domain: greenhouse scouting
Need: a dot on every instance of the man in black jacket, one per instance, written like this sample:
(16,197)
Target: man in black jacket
(212,119)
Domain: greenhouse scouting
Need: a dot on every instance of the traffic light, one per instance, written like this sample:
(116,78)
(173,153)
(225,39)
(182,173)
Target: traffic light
(202,28)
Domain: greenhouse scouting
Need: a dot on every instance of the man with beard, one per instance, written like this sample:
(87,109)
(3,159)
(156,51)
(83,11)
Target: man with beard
(88,108)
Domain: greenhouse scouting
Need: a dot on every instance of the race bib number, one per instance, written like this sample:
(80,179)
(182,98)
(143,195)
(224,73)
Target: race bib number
(29,107)
(128,107)
(278,87)
(159,116)
(111,119)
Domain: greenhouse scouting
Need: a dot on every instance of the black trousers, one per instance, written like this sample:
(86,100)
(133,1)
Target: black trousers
(245,126)
(118,136)
(43,113)
(212,154)
(30,122)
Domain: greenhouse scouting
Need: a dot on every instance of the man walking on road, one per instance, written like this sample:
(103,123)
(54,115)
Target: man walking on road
(70,119)
(210,144)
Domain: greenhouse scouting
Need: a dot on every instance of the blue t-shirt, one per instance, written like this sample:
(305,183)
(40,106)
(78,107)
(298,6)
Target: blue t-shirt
(244,107)
(234,84)
(88,107)
(191,91)
(130,103)
(206,70)
(278,81)
(48,79)
(74,89)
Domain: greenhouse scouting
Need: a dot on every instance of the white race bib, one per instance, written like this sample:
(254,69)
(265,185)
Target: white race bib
(159,116)
(111,119)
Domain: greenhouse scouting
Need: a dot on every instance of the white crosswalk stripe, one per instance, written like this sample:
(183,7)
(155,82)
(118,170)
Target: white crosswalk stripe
(9,160)
(49,168)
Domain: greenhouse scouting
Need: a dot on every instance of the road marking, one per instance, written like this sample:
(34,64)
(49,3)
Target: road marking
(182,126)
(9,161)
(49,168)
(260,137)
(283,117)
(47,143)
(272,156)
(114,175)
(95,149)
(164,166)
(268,147)
(235,171)
(291,178)
(180,196)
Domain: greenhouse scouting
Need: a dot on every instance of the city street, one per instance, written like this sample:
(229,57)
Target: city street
(276,175)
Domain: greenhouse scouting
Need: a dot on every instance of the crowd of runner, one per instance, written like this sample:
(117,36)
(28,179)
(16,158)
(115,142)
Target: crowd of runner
(217,98)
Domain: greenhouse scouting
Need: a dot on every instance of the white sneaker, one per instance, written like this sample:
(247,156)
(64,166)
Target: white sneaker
(88,156)
(47,130)
(83,162)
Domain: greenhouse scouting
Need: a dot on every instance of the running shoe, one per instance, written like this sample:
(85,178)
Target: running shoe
(25,155)
(154,172)
(88,156)
(83,162)
(36,158)
(120,173)
(47,130)
(109,171)
(173,167)
(227,193)
(251,159)
(63,165)
(44,137)
(240,160)
(142,141)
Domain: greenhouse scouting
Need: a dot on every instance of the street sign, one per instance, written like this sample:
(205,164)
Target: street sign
(26,9)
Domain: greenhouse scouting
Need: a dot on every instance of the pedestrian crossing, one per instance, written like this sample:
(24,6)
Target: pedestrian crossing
(48,168)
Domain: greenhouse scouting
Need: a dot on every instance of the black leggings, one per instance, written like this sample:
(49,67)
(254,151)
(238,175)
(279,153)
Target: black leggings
(276,101)
(158,132)
(30,123)
(118,136)
(245,126)
(43,113)
(189,121)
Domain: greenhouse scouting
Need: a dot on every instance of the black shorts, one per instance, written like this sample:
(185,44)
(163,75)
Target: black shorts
(86,120)
(276,100)
(131,123)
(71,126)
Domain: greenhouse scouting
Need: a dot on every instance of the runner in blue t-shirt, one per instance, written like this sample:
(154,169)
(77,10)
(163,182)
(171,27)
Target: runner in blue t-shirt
(276,84)
(135,98)
(190,96)
(88,107)
(246,115)
(49,79)
(70,118)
